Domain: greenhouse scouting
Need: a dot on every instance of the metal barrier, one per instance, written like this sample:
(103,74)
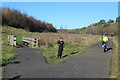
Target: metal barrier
(12,40)
(31,41)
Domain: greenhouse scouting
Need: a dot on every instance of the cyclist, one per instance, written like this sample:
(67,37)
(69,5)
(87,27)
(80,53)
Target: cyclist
(104,40)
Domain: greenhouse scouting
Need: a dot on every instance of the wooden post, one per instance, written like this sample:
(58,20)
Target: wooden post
(14,41)
(36,42)
(11,40)
(8,39)
(32,41)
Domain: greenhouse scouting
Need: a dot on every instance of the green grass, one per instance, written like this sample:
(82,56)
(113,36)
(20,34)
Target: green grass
(114,62)
(8,52)
(50,52)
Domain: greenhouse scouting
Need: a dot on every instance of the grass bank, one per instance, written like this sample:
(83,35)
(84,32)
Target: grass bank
(8,52)
(50,52)
(114,61)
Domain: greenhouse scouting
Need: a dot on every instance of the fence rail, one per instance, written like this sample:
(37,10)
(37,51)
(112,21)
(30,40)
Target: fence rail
(31,41)
(12,40)
(26,40)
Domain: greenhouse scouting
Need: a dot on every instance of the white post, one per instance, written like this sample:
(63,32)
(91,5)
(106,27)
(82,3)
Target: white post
(8,39)
(36,42)
(14,40)
(33,41)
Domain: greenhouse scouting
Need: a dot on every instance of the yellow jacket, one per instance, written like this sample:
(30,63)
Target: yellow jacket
(105,38)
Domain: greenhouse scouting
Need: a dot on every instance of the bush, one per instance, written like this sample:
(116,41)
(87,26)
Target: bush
(106,25)
(50,45)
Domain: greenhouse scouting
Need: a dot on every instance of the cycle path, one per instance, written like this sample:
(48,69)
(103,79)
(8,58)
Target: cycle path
(30,63)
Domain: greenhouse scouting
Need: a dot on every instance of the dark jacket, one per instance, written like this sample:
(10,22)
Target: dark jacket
(61,45)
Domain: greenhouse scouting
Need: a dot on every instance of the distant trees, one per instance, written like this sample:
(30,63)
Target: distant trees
(15,18)
(84,28)
(102,27)
(102,22)
(117,19)
(96,24)
(106,24)
(110,21)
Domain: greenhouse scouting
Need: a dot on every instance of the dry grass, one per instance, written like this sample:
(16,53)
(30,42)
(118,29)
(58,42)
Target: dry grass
(52,38)
(74,39)
(114,63)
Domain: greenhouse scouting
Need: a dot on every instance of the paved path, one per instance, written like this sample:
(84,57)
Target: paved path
(93,63)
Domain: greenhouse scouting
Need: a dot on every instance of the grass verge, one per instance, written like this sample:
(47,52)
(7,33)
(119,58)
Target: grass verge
(50,52)
(114,61)
(8,52)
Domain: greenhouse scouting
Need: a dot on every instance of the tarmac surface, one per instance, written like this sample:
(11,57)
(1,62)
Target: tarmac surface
(93,63)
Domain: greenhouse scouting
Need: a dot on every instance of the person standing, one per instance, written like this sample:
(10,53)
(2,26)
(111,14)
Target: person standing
(60,47)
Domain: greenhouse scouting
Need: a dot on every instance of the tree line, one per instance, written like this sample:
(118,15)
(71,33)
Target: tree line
(15,18)
(101,27)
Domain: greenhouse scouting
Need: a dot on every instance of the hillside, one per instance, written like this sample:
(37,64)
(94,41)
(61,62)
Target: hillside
(101,29)
(15,18)
(105,28)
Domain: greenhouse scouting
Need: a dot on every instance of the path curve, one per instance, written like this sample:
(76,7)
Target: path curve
(29,63)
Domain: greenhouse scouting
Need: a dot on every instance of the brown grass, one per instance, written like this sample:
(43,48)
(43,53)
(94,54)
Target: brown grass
(52,38)
(73,39)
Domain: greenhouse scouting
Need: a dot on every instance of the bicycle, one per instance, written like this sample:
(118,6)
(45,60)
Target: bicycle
(104,46)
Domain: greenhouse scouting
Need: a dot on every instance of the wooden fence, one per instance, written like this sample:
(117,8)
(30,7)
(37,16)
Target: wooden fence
(30,41)
(12,40)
